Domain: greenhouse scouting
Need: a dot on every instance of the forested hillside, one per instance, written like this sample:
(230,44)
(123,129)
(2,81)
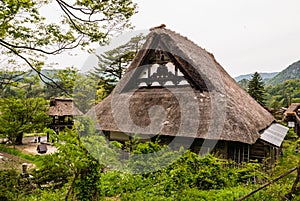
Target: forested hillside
(291,72)
(281,90)
(283,94)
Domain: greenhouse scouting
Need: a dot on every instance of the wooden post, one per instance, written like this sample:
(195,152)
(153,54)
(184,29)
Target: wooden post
(294,187)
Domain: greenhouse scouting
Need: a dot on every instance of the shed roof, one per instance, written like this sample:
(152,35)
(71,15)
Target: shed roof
(220,108)
(274,134)
(63,107)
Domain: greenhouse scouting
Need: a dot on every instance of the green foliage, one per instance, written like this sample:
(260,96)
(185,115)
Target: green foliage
(85,126)
(292,72)
(195,171)
(112,65)
(51,172)
(13,187)
(84,93)
(47,194)
(22,115)
(191,177)
(283,94)
(249,173)
(20,84)
(66,79)
(8,180)
(35,159)
(150,157)
(84,158)
(291,134)
(256,89)
(28,35)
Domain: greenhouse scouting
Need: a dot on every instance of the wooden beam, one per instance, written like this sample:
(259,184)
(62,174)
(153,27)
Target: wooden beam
(267,184)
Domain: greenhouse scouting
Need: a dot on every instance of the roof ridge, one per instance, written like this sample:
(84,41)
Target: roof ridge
(162,27)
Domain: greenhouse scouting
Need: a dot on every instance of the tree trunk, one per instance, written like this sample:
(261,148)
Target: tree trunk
(70,188)
(19,139)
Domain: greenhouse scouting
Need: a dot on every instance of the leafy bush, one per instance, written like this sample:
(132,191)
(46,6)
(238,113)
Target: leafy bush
(200,172)
(291,135)
(13,187)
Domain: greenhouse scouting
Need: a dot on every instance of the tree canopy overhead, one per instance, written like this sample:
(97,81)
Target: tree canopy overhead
(29,36)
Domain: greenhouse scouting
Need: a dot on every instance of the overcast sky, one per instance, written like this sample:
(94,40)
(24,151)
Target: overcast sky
(244,35)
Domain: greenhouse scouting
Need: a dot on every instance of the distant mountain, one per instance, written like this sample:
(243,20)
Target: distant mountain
(20,75)
(265,76)
(244,83)
(290,73)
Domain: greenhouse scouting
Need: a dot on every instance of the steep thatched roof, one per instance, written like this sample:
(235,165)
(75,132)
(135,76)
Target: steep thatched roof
(213,106)
(63,107)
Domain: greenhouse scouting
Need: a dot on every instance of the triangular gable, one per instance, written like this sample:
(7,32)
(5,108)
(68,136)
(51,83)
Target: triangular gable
(160,68)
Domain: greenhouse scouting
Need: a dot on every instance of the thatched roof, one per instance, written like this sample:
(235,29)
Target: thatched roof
(292,108)
(213,106)
(293,111)
(63,107)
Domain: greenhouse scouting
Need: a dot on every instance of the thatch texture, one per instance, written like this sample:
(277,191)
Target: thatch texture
(63,107)
(215,107)
(292,108)
(292,111)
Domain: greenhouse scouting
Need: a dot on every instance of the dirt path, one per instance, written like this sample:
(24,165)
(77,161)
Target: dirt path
(29,146)
(8,161)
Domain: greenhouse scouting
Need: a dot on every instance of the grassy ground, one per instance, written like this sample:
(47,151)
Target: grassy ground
(13,158)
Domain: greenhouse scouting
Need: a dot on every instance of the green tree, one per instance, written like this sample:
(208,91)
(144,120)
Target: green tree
(22,115)
(22,85)
(78,164)
(84,93)
(256,89)
(283,94)
(66,79)
(12,186)
(8,79)
(113,63)
(28,36)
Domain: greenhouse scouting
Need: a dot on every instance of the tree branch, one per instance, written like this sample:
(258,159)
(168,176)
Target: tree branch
(74,8)
(65,6)
(64,47)
(41,76)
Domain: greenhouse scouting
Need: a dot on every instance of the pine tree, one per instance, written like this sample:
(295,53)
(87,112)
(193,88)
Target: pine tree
(113,63)
(256,88)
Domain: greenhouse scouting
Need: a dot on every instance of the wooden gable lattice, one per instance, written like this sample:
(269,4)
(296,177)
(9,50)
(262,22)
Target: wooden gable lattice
(159,68)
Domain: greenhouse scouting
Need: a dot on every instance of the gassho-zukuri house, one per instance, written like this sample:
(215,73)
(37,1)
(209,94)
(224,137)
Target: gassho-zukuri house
(176,90)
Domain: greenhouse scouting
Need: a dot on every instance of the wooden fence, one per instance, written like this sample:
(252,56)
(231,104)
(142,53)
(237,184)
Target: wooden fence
(289,195)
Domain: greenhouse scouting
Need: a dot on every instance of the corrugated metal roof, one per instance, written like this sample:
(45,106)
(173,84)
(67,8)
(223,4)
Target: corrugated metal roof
(274,134)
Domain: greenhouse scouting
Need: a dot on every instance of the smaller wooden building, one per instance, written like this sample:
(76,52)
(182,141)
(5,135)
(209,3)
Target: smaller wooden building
(292,117)
(62,111)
